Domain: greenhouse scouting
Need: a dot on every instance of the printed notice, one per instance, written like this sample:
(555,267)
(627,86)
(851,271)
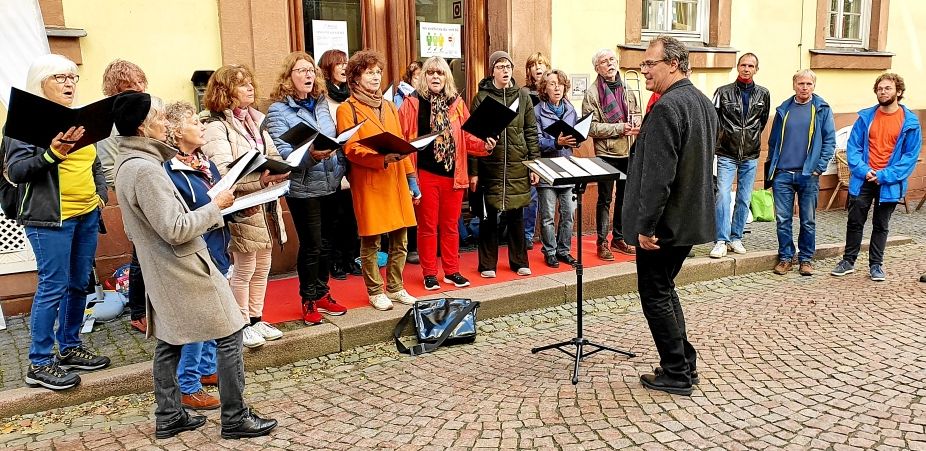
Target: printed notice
(440,39)
(328,35)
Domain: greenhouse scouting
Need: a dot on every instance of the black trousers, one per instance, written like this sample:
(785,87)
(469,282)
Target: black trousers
(136,289)
(855,225)
(345,246)
(656,272)
(488,239)
(607,189)
(230,372)
(313,219)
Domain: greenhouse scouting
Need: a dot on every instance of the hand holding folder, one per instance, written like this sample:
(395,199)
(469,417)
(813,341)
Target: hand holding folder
(386,143)
(490,118)
(38,121)
(302,132)
(579,132)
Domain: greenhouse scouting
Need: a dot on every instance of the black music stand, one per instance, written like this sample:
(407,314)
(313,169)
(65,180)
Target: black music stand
(563,176)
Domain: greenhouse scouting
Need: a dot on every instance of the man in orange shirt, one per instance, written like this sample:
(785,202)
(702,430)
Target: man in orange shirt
(882,152)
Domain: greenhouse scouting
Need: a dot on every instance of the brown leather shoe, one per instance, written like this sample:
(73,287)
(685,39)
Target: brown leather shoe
(806,269)
(209,379)
(200,401)
(604,253)
(140,324)
(783,267)
(622,247)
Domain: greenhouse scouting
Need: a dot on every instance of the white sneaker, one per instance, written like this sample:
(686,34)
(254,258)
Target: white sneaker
(402,297)
(719,250)
(267,331)
(252,339)
(488,274)
(737,246)
(380,302)
(524,271)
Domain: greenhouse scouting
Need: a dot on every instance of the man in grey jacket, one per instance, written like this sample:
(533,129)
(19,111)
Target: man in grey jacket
(669,204)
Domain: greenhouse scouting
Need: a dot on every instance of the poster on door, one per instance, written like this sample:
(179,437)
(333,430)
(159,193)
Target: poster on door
(440,39)
(328,35)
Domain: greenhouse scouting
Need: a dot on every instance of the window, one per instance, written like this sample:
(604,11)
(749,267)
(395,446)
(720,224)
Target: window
(684,19)
(848,23)
(332,10)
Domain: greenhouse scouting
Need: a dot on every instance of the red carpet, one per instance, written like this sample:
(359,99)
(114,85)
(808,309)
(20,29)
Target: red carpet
(283,294)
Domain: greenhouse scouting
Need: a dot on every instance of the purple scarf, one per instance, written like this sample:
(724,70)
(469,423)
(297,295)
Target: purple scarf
(612,100)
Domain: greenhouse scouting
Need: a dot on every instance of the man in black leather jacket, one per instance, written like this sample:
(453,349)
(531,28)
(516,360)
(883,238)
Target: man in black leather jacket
(742,109)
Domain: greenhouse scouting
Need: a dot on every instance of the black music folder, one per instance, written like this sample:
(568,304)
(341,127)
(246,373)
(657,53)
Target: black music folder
(387,143)
(36,120)
(579,132)
(490,118)
(301,133)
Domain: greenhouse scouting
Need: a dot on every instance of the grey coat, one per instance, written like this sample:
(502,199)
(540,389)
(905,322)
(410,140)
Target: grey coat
(188,298)
(669,189)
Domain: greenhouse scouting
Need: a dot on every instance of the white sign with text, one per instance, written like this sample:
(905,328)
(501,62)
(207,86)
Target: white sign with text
(328,35)
(440,39)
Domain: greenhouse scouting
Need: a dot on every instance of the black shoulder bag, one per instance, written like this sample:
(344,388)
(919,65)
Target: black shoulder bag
(438,321)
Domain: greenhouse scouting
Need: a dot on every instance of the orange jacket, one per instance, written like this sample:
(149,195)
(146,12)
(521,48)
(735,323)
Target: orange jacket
(382,200)
(466,144)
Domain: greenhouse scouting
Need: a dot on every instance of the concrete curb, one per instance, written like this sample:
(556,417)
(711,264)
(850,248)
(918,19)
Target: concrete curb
(368,326)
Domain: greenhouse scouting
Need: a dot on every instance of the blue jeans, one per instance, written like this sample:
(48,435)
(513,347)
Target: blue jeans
(547,197)
(196,359)
(530,216)
(64,257)
(745,174)
(784,187)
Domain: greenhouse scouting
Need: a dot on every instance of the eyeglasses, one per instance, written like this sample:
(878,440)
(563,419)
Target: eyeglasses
(605,61)
(503,66)
(650,64)
(373,72)
(305,70)
(430,72)
(61,78)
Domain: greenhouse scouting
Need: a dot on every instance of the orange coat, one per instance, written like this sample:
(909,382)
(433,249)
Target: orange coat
(466,144)
(382,200)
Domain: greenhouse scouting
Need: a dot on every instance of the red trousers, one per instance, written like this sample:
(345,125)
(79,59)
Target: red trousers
(438,215)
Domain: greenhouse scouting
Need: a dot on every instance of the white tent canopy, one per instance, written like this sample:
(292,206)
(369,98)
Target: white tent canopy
(22,38)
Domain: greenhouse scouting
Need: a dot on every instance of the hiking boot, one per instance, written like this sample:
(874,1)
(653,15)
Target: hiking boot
(719,250)
(876,272)
(604,253)
(328,305)
(251,339)
(430,283)
(842,268)
(402,297)
(268,332)
(310,314)
(737,247)
(806,269)
(456,279)
(622,247)
(81,358)
(380,302)
(783,267)
(199,401)
(51,376)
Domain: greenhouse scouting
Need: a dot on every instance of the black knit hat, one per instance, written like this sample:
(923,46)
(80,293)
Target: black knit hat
(130,110)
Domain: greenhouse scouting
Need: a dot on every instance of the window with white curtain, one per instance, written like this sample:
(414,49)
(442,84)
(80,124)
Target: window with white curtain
(683,19)
(849,21)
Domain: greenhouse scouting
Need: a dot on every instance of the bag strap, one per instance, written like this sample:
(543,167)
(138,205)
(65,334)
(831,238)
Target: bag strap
(424,348)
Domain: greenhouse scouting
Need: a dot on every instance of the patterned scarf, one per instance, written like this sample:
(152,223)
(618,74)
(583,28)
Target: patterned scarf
(338,93)
(445,149)
(246,122)
(197,160)
(612,100)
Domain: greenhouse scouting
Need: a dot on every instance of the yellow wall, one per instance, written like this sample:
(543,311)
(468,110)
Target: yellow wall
(168,39)
(781,36)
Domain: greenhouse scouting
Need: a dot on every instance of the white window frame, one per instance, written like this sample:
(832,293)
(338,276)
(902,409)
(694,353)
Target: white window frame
(864,27)
(699,35)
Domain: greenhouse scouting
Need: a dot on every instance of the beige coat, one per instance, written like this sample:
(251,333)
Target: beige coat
(225,142)
(188,298)
(609,138)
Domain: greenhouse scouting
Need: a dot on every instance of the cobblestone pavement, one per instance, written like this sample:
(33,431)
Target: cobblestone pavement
(786,362)
(126,346)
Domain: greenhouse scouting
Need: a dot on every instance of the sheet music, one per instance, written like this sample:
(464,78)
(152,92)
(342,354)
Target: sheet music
(584,125)
(268,194)
(346,134)
(422,142)
(514,106)
(589,166)
(569,167)
(234,174)
(388,94)
(297,156)
(543,171)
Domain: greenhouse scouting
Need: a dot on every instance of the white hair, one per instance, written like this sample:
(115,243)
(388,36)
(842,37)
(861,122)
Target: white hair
(44,67)
(600,54)
(156,113)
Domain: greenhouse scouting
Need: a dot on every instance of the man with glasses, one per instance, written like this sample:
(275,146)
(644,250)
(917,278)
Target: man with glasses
(743,109)
(668,206)
(611,106)
(882,151)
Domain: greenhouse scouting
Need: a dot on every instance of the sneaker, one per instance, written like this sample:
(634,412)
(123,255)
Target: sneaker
(412,258)
(524,271)
(622,247)
(310,314)
(604,253)
(251,339)
(402,297)
(81,358)
(719,250)
(842,268)
(488,274)
(806,269)
(267,331)
(876,272)
(140,324)
(783,267)
(329,306)
(456,279)
(737,247)
(199,401)
(51,376)
(380,302)
(430,283)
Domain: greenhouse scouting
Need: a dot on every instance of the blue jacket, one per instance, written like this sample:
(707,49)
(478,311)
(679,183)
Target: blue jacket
(893,178)
(822,144)
(323,177)
(193,186)
(546,118)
